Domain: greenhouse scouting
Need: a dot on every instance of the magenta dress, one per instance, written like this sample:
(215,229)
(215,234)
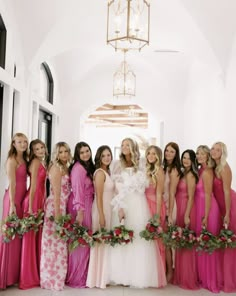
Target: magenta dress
(31,242)
(185,274)
(81,197)
(53,265)
(150,193)
(229,255)
(208,265)
(10,253)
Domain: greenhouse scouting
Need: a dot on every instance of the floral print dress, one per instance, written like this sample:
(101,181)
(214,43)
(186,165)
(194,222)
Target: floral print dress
(54,254)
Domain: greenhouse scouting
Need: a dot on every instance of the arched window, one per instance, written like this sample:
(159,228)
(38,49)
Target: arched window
(3,40)
(47,83)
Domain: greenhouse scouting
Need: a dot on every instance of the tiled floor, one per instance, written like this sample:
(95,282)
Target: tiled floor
(170,290)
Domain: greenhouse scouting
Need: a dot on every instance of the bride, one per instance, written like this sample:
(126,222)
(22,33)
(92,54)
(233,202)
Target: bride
(134,264)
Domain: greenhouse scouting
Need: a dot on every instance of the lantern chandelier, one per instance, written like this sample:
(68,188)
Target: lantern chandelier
(124,80)
(128,24)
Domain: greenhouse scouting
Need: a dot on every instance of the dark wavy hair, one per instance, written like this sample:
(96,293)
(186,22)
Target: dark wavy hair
(176,161)
(88,165)
(98,155)
(194,168)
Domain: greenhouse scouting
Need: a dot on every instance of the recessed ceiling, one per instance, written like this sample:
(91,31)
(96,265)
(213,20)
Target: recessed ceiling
(109,115)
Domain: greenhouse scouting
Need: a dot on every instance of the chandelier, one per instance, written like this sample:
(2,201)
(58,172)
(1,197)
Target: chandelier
(124,80)
(128,23)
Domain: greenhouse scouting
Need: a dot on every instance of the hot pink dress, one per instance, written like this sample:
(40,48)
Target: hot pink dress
(10,253)
(185,274)
(98,273)
(31,242)
(81,197)
(53,265)
(150,193)
(229,255)
(208,265)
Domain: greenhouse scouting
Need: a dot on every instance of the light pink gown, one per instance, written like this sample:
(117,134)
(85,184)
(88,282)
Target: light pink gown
(150,193)
(185,273)
(208,265)
(10,253)
(229,255)
(81,197)
(53,265)
(98,273)
(31,242)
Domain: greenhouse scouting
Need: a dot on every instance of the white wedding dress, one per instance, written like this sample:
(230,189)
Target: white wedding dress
(134,264)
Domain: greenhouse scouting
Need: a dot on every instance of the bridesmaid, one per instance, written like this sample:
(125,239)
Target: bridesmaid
(33,202)
(80,208)
(98,274)
(53,265)
(10,253)
(207,216)
(185,274)
(154,195)
(172,169)
(226,199)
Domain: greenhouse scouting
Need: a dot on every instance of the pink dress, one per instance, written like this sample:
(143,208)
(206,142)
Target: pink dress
(53,265)
(81,197)
(10,252)
(150,193)
(166,196)
(229,255)
(185,274)
(31,242)
(208,265)
(98,274)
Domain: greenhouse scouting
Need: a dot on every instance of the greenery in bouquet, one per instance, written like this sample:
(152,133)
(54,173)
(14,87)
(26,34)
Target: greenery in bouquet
(121,236)
(74,234)
(10,228)
(153,230)
(80,237)
(31,222)
(103,236)
(173,236)
(188,239)
(227,239)
(207,242)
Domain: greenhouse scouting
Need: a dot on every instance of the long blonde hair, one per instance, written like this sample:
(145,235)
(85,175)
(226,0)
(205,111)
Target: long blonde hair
(153,168)
(210,162)
(134,151)
(55,156)
(224,154)
(12,151)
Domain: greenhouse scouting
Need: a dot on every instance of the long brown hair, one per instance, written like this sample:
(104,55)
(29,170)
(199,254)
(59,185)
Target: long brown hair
(12,151)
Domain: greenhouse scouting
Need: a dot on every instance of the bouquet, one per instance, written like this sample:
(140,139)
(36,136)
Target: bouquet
(121,235)
(103,236)
(74,234)
(187,239)
(10,228)
(227,239)
(31,222)
(173,236)
(207,242)
(153,230)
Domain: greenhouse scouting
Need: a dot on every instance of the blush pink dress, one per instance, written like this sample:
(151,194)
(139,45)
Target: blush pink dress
(98,273)
(53,265)
(185,273)
(31,242)
(229,255)
(10,253)
(208,265)
(150,193)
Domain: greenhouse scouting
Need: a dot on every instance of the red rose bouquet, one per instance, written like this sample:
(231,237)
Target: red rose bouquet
(188,239)
(10,228)
(207,242)
(153,230)
(173,236)
(227,239)
(31,222)
(103,236)
(121,235)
